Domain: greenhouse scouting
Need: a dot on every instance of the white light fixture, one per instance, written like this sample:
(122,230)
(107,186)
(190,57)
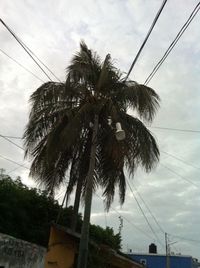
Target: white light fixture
(91,124)
(109,121)
(120,133)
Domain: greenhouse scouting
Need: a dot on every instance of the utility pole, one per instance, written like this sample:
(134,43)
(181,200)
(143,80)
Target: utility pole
(167,252)
(84,240)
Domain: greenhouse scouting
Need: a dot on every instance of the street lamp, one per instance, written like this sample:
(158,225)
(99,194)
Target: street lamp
(120,133)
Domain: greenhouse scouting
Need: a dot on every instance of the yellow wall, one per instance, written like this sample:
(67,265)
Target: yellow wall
(61,250)
(63,247)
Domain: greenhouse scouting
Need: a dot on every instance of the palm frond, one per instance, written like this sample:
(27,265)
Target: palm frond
(141,147)
(50,174)
(138,97)
(85,67)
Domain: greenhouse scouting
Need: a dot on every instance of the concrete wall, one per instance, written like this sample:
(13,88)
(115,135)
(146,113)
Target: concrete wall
(16,253)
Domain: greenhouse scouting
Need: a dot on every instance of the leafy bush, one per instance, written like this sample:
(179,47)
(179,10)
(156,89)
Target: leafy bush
(27,213)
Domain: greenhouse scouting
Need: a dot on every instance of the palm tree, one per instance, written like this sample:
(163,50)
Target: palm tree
(72,126)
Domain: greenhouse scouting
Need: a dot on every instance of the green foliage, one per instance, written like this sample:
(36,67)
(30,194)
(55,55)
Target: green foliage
(95,258)
(26,213)
(105,236)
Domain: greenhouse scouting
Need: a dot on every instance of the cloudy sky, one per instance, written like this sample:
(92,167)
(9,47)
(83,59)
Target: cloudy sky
(53,30)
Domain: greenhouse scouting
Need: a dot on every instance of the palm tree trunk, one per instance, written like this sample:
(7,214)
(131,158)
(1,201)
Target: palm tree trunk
(83,246)
(76,204)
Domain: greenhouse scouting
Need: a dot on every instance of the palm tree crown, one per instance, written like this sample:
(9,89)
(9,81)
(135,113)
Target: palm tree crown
(59,132)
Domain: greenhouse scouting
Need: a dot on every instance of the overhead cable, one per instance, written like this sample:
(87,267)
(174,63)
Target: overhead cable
(18,63)
(177,174)
(12,170)
(178,36)
(155,127)
(13,137)
(147,207)
(40,61)
(25,48)
(185,238)
(179,159)
(177,129)
(127,220)
(7,139)
(146,38)
(14,162)
(145,217)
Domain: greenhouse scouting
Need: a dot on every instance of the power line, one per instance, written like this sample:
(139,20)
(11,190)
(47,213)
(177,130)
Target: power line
(179,159)
(14,162)
(156,221)
(177,174)
(40,61)
(160,227)
(178,36)
(18,63)
(186,239)
(7,139)
(13,137)
(24,47)
(146,38)
(152,230)
(12,170)
(177,129)
(127,220)
(155,127)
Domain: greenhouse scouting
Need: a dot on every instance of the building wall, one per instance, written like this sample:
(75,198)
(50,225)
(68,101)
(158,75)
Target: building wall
(61,250)
(157,261)
(16,253)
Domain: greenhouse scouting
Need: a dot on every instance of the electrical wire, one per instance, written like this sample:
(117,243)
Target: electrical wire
(178,36)
(177,129)
(147,207)
(22,45)
(12,161)
(146,38)
(160,227)
(145,217)
(18,63)
(177,174)
(127,220)
(155,127)
(179,159)
(40,60)
(186,239)
(12,170)
(13,137)
(7,139)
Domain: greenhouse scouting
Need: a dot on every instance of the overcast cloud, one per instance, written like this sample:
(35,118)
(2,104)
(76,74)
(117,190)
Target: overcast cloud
(53,30)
